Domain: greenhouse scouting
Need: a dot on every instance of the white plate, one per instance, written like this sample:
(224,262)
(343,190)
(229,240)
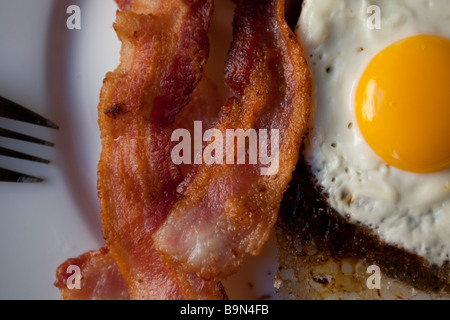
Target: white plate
(58,73)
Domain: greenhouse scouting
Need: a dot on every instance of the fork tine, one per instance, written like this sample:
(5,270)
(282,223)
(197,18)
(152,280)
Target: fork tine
(12,176)
(18,136)
(15,154)
(12,110)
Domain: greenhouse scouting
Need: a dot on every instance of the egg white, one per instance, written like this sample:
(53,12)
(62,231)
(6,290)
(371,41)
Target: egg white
(407,209)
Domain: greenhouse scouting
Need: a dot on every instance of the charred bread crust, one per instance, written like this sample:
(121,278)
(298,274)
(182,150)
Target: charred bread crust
(309,223)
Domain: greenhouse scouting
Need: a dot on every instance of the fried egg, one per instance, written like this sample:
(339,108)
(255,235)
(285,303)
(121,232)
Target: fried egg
(379,140)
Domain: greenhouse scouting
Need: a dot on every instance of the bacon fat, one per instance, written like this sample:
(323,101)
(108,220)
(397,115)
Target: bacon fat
(100,278)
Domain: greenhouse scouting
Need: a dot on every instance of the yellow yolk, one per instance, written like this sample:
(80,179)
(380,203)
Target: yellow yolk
(403,104)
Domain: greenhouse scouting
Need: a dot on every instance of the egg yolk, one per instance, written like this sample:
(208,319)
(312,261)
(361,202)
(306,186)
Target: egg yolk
(403,104)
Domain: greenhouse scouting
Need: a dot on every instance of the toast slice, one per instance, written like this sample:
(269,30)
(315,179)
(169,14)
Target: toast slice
(323,255)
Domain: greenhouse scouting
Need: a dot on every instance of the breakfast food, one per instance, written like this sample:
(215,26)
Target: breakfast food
(160,67)
(101,276)
(154,210)
(372,185)
(227,211)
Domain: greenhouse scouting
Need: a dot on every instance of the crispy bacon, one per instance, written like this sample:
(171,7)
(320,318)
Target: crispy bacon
(164,48)
(227,211)
(100,278)
(204,106)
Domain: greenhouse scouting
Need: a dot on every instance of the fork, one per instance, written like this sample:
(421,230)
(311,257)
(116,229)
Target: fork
(12,110)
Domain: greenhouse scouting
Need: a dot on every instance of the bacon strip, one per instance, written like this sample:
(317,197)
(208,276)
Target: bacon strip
(100,278)
(204,106)
(164,48)
(227,211)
